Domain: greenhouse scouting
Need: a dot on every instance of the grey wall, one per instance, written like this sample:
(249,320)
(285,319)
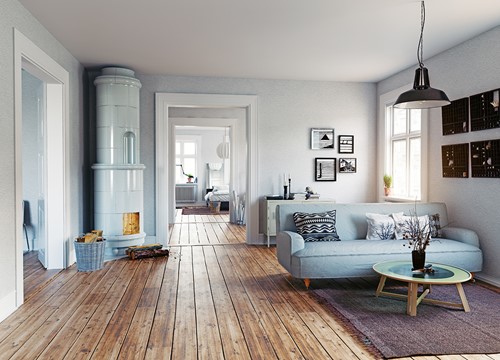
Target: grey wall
(13,14)
(465,70)
(287,110)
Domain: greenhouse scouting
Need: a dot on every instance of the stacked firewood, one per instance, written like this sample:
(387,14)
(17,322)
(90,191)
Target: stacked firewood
(91,237)
(146,251)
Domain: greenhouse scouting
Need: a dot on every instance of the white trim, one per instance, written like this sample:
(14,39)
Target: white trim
(7,305)
(27,55)
(384,101)
(163,148)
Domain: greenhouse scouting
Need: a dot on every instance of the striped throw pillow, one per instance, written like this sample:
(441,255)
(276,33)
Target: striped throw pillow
(316,226)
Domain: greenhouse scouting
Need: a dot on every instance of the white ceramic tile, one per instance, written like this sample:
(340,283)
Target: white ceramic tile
(118,95)
(103,180)
(133,93)
(104,137)
(105,115)
(102,95)
(104,202)
(129,201)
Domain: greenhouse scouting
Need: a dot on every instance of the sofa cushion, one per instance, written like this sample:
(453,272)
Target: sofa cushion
(380,227)
(435,225)
(316,226)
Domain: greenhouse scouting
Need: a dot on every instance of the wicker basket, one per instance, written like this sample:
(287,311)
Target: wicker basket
(90,256)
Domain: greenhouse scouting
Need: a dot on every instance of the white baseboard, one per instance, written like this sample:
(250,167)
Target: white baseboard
(7,305)
(488,279)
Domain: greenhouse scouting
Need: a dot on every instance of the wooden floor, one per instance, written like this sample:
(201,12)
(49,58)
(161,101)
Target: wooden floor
(213,298)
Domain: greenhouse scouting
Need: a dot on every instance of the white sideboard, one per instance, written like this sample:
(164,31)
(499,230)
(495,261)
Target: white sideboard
(270,213)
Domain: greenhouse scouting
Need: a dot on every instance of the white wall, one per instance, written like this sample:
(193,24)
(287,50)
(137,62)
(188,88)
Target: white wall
(465,70)
(13,14)
(287,112)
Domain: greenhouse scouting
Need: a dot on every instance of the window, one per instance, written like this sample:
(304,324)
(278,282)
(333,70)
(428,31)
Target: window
(186,152)
(404,151)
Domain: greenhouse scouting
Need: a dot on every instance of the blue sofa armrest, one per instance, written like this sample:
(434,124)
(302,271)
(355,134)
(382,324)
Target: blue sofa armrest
(287,243)
(460,234)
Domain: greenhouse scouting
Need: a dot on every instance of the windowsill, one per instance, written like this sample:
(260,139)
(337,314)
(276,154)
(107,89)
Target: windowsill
(396,199)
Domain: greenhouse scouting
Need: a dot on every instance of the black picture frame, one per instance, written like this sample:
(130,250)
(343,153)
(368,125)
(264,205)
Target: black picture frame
(346,144)
(322,139)
(347,165)
(325,169)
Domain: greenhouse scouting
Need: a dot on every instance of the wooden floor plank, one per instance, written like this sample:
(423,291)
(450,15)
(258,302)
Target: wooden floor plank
(111,342)
(232,337)
(135,343)
(68,334)
(207,328)
(88,339)
(185,342)
(162,331)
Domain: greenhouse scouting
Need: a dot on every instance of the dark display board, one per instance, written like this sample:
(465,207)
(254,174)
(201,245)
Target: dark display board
(455,160)
(484,112)
(456,117)
(485,158)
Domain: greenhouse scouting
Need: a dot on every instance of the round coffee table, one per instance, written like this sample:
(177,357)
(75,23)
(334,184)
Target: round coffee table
(442,275)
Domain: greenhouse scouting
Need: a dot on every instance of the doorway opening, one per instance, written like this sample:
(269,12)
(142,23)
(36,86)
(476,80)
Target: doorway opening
(166,106)
(41,113)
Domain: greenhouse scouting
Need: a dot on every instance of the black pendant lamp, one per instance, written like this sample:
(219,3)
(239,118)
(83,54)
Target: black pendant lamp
(422,96)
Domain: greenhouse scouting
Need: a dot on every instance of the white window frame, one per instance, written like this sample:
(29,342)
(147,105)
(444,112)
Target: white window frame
(384,151)
(197,156)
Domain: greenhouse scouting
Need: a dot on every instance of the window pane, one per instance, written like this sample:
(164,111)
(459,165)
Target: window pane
(399,166)
(399,121)
(190,166)
(177,148)
(189,148)
(415,120)
(415,161)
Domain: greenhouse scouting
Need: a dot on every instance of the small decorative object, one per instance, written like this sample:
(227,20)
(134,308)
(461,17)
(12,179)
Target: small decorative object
(346,144)
(387,184)
(418,233)
(285,192)
(190,177)
(322,138)
(290,195)
(325,169)
(347,165)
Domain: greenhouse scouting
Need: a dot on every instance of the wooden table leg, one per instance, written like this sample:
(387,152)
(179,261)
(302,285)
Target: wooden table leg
(411,307)
(461,292)
(381,285)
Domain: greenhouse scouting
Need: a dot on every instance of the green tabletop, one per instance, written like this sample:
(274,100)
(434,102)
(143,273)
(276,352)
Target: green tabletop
(402,270)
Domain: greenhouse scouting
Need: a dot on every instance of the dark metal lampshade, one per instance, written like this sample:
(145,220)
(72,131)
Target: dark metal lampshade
(422,96)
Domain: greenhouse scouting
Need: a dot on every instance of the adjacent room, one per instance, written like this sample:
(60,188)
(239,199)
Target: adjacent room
(286,180)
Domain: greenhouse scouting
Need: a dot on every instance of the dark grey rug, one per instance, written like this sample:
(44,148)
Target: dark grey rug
(382,323)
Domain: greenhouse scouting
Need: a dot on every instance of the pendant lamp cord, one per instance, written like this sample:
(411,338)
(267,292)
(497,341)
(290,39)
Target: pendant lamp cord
(420,48)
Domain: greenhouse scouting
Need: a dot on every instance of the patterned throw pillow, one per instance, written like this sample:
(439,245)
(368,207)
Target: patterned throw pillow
(317,226)
(435,225)
(403,228)
(380,227)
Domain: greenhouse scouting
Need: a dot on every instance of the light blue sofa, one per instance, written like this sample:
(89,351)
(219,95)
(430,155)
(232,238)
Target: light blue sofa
(354,256)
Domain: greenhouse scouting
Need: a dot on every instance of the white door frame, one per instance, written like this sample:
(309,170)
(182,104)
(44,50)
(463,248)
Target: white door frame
(30,57)
(164,192)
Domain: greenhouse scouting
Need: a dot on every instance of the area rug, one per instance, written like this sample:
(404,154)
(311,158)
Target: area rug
(201,210)
(382,324)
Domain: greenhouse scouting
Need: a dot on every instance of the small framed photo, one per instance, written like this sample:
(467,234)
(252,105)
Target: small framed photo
(325,169)
(322,138)
(347,165)
(346,144)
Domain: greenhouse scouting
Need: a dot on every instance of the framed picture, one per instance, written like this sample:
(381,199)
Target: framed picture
(346,144)
(347,165)
(325,169)
(322,139)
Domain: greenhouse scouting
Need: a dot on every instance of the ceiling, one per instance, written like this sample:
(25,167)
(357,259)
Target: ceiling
(334,40)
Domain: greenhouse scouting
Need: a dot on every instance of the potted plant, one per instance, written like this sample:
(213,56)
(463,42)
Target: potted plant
(418,234)
(387,184)
(190,177)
